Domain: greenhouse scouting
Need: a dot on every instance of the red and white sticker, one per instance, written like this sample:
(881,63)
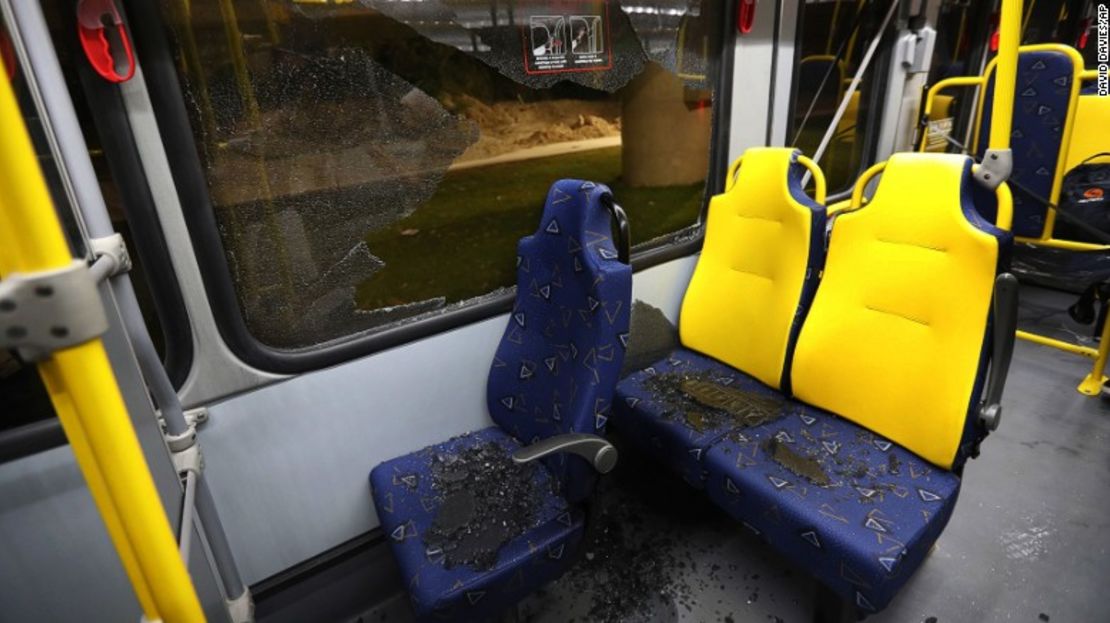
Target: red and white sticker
(572,39)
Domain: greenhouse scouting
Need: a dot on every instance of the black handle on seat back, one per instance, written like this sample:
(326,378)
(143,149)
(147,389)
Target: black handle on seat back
(1005,333)
(624,232)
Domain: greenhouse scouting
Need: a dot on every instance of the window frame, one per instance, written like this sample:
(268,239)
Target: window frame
(151,36)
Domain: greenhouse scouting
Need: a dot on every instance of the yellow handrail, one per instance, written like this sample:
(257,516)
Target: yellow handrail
(1004,218)
(810,165)
(86,397)
(857,190)
(818,178)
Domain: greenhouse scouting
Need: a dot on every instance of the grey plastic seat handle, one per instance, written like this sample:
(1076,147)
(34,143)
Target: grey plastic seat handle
(599,452)
(1005,331)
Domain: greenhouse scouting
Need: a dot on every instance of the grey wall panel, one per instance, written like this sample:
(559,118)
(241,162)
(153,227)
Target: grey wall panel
(56,560)
(288,463)
(57,563)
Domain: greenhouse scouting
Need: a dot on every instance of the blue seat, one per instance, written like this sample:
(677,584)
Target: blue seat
(478,522)
(485,579)
(656,416)
(852,508)
(1047,91)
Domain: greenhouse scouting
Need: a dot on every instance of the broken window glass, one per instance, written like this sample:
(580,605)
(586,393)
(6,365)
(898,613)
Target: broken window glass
(374,162)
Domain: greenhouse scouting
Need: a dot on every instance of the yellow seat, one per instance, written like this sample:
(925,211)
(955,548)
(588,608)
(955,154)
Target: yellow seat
(895,339)
(763,250)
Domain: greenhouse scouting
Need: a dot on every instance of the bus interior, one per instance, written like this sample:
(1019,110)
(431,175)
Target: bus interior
(554,311)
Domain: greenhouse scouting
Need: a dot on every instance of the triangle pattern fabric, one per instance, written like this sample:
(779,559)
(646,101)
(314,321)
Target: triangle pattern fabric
(553,227)
(599,421)
(398,533)
(556,553)
(811,537)
(874,524)
(927,496)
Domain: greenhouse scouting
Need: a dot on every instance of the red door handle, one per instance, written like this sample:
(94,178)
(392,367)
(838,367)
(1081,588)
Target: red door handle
(113,60)
(8,62)
(746,16)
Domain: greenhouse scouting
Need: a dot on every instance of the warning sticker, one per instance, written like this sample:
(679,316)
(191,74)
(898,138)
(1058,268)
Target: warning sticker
(938,133)
(570,42)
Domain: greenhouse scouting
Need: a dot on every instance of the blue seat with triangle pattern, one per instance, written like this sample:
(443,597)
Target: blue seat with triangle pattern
(1044,108)
(474,531)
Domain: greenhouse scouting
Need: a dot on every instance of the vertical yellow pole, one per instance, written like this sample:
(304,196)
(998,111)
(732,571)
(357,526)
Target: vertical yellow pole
(1005,75)
(85,395)
(1092,385)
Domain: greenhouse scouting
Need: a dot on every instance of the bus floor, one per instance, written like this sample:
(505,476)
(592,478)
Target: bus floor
(1027,542)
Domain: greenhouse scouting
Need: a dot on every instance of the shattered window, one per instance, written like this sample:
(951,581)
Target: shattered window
(374,161)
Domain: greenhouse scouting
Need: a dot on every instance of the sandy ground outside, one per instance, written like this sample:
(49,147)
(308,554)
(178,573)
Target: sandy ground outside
(511,126)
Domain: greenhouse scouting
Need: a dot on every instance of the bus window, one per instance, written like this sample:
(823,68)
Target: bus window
(373,162)
(832,38)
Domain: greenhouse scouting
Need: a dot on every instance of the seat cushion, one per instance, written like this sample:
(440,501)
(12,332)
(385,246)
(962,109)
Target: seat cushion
(472,532)
(855,510)
(676,408)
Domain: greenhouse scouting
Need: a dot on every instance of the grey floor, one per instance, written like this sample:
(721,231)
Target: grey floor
(1028,541)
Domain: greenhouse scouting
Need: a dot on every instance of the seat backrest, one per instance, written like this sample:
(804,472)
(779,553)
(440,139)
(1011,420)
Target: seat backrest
(897,337)
(559,359)
(763,250)
(1044,112)
(1088,137)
